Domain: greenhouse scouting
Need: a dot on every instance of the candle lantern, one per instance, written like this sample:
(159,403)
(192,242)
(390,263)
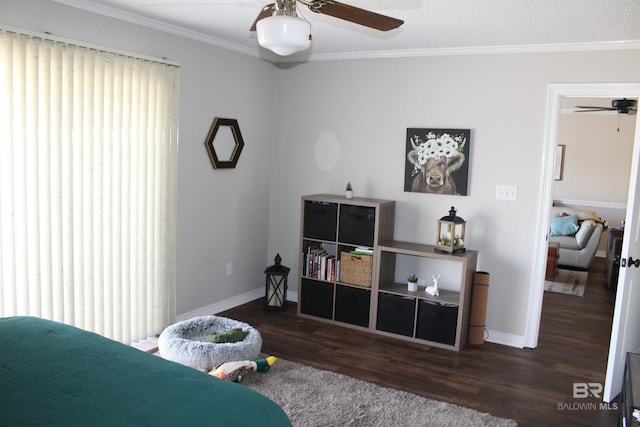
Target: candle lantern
(275,297)
(450,237)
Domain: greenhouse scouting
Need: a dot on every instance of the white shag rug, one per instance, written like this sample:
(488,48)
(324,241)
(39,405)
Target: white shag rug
(185,342)
(317,398)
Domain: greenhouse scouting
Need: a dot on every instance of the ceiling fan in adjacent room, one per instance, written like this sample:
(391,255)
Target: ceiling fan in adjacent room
(622,106)
(281,30)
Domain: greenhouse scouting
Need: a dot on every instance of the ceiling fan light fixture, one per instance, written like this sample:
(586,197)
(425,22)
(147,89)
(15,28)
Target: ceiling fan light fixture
(284,35)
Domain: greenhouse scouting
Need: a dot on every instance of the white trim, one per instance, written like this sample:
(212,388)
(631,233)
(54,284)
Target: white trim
(502,338)
(306,56)
(587,203)
(474,50)
(555,92)
(155,24)
(495,337)
(230,303)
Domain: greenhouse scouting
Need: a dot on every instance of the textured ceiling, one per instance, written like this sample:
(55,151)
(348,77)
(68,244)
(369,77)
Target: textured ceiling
(431,26)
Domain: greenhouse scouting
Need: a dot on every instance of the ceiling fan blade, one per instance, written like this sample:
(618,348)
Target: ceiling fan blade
(265,12)
(591,109)
(354,14)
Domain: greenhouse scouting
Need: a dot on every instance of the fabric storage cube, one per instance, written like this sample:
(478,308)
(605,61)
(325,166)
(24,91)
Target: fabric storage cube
(437,322)
(352,305)
(320,220)
(317,298)
(357,225)
(396,314)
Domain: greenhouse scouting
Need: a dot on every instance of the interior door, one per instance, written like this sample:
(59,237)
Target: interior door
(625,331)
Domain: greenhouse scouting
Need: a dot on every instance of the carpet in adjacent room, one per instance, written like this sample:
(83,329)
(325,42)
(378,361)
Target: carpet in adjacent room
(569,282)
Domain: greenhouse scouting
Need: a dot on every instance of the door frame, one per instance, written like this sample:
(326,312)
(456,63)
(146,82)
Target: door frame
(555,93)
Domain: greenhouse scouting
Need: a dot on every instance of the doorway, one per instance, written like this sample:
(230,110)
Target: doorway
(555,94)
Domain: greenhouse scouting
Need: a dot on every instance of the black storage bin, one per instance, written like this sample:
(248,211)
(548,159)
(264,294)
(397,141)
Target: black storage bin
(396,314)
(437,322)
(320,220)
(352,305)
(357,225)
(317,298)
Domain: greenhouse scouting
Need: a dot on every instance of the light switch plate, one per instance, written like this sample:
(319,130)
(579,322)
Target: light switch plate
(506,192)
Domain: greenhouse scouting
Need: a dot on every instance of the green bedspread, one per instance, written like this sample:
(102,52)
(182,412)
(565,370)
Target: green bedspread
(55,374)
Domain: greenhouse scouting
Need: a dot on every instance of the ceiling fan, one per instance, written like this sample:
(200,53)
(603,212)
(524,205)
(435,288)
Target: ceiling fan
(622,106)
(280,29)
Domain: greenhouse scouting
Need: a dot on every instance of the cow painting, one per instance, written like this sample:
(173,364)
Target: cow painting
(434,159)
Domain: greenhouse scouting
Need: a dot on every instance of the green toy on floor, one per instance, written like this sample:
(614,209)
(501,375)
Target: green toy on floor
(230,336)
(235,371)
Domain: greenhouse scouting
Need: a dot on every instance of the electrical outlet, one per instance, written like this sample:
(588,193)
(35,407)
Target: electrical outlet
(507,192)
(229,269)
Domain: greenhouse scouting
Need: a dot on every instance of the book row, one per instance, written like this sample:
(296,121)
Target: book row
(321,263)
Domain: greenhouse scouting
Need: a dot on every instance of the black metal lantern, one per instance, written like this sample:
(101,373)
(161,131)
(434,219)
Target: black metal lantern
(275,297)
(450,237)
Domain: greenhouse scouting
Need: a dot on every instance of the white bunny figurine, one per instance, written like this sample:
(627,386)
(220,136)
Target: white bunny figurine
(433,290)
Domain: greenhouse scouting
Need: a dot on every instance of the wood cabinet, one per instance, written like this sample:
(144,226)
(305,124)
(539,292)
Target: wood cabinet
(441,320)
(553,255)
(332,227)
(374,295)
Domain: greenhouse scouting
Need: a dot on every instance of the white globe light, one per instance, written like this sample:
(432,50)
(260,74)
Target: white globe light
(283,34)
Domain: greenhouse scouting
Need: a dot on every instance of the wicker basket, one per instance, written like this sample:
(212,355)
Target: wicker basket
(356,269)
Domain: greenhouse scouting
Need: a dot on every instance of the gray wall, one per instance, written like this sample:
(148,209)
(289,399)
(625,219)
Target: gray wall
(368,105)
(222,214)
(247,215)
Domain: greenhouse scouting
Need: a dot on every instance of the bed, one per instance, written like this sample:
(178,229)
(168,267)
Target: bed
(58,375)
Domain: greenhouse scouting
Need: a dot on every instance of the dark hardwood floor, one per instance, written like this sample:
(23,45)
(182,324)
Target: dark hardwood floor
(532,386)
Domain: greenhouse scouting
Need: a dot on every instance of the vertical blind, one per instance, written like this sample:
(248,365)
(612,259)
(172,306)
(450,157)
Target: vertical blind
(88,171)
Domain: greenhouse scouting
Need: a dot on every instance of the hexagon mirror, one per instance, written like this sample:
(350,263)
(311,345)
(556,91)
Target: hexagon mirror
(224,143)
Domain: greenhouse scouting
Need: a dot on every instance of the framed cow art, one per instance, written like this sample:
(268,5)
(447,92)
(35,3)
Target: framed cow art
(437,161)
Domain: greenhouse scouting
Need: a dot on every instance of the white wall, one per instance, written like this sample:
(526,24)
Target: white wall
(597,164)
(369,104)
(597,158)
(223,214)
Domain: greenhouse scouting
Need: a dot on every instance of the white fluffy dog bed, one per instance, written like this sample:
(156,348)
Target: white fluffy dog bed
(185,342)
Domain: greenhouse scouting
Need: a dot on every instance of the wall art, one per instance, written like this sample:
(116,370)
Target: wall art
(224,143)
(437,161)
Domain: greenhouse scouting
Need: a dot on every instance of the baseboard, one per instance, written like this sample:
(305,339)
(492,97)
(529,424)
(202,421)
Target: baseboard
(230,303)
(495,337)
(502,338)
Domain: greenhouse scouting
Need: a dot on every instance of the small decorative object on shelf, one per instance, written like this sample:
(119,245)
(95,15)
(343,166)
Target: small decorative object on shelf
(450,236)
(276,286)
(412,283)
(433,290)
(349,191)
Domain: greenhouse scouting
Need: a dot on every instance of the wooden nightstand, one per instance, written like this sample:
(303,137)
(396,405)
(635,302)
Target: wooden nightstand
(553,253)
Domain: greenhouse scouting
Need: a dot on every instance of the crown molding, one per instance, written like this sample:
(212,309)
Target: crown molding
(165,27)
(481,50)
(335,56)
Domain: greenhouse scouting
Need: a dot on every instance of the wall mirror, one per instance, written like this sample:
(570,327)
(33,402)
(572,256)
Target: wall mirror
(224,143)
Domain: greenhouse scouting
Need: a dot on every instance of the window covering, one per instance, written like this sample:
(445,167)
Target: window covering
(88,174)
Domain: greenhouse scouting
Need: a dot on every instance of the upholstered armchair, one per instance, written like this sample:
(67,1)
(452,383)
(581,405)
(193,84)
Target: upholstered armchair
(578,233)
